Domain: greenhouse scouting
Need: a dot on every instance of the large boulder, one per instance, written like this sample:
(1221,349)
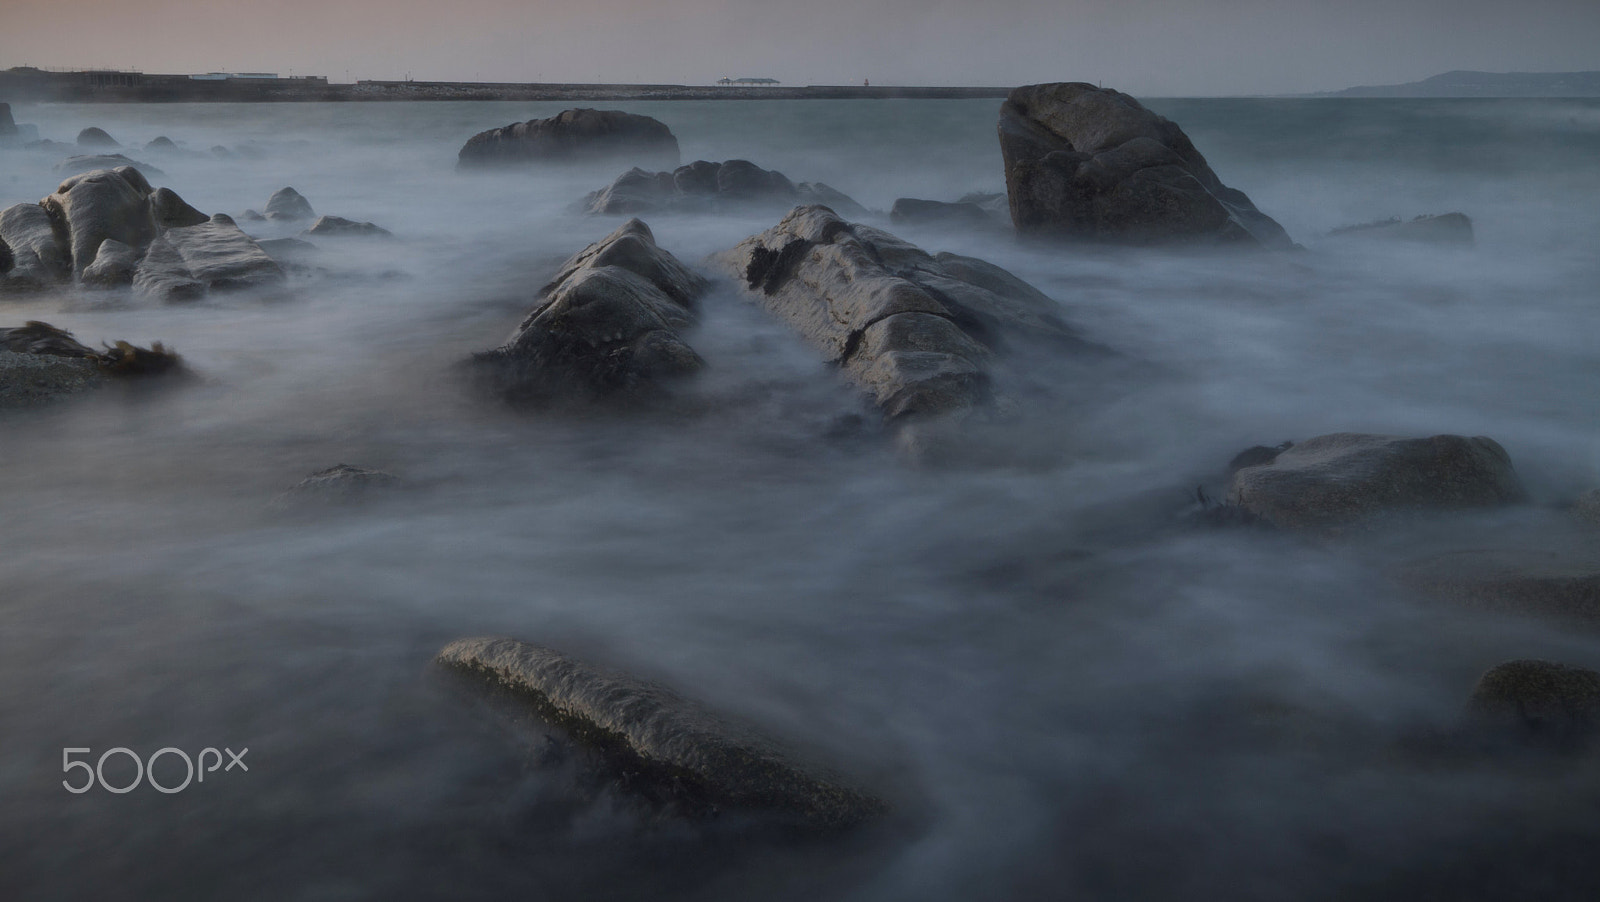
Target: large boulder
(670,746)
(96,137)
(917,332)
(1344,480)
(107,203)
(38,259)
(289,204)
(185,263)
(574,136)
(606,326)
(704,185)
(1093,164)
(90,162)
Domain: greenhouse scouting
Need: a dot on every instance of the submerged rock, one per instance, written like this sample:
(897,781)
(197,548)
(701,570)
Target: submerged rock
(919,333)
(91,162)
(339,484)
(1538,703)
(161,143)
(289,204)
(703,185)
(8,125)
(1551,584)
(579,135)
(185,263)
(337,226)
(94,206)
(96,137)
(1345,480)
(1448,228)
(1093,164)
(910,210)
(667,744)
(606,326)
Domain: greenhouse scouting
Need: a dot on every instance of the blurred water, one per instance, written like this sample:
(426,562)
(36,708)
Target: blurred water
(1062,691)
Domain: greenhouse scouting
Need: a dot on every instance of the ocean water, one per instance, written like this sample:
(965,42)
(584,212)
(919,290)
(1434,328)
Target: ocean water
(1065,691)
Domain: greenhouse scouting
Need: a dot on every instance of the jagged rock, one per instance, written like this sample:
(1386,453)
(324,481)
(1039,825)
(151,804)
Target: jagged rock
(1448,228)
(1540,703)
(91,162)
(1556,585)
(670,746)
(703,185)
(37,259)
(1093,164)
(95,137)
(918,332)
(573,136)
(339,227)
(289,204)
(606,326)
(185,263)
(339,484)
(171,211)
(94,206)
(1344,480)
(113,266)
(910,210)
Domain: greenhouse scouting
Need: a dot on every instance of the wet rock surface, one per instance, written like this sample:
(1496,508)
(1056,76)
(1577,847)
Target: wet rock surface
(578,135)
(186,263)
(289,204)
(918,332)
(96,137)
(606,326)
(670,746)
(1090,163)
(37,259)
(1350,480)
(113,266)
(704,186)
(94,206)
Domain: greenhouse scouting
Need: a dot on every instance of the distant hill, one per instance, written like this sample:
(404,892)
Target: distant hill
(1487,84)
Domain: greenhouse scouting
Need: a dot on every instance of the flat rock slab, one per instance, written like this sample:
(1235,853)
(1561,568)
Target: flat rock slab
(1556,585)
(661,736)
(1347,480)
(216,255)
(1093,164)
(578,135)
(606,327)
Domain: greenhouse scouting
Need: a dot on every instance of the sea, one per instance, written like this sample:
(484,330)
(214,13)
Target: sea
(1065,683)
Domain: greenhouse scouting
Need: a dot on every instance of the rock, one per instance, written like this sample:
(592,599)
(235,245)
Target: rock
(37,259)
(993,203)
(185,263)
(909,210)
(335,226)
(223,153)
(1345,480)
(6,260)
(704,185)
(89,163)
(252,216)
(1256,456)
(1554,706)
(606,326)
(8,126)
(94,137)
(113,266)
(1551,584)
(287,250)
(94,206)
(288,204)
(171,212)
(161,143)
(817,193)
(574,136)
(1447,229)
(668,744)
(917,332)
(30,379)
(339,484)
(1093,164)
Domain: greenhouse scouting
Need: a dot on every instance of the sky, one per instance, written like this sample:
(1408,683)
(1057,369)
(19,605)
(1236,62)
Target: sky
(1151,47)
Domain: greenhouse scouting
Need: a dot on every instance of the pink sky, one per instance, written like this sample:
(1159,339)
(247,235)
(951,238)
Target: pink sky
(1143,46)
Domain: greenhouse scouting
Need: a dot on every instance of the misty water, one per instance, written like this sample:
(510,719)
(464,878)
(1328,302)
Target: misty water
(1065,689)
